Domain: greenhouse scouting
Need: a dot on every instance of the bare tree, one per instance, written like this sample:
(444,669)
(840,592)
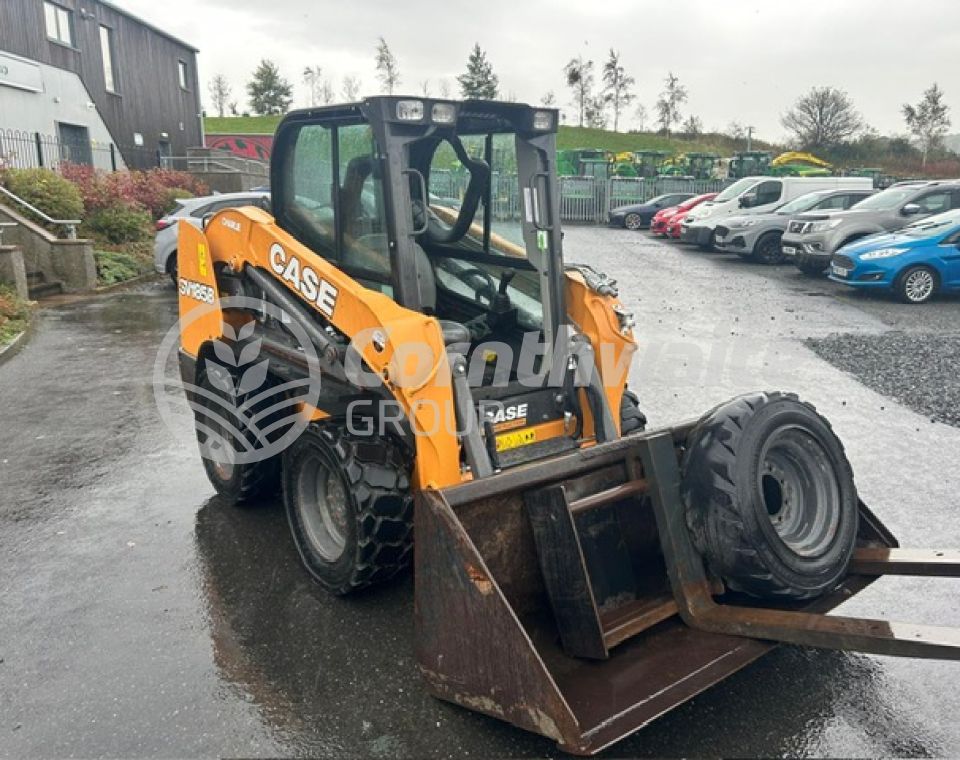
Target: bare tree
(387,70)
(313,79)
(673,96)
(425,88)
(548,99)
(693,126)
(327,94)
(640,114)
(445,88)
(736,130)
(822,118)
(234,108)
(617,86)
(595,114)
(220,94)
(929,120)
(579,74)
(351,88)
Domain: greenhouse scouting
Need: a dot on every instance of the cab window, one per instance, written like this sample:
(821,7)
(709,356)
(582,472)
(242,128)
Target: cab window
(934,203)
(363,240)
(833,203)
(768,192)
(309,189)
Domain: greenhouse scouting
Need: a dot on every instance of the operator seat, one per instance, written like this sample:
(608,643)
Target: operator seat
(454,333)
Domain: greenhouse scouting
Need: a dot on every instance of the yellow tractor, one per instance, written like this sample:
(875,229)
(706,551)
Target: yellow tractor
(396,364)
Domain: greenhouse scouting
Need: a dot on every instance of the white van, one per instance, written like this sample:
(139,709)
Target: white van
(757,195)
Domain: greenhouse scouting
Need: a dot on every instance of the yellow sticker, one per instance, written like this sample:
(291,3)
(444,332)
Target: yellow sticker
(202,259)
(516,440)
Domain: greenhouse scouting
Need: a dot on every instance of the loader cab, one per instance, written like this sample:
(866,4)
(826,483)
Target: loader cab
(447,207)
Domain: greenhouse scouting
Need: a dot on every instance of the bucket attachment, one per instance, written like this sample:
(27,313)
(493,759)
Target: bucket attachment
(567,598)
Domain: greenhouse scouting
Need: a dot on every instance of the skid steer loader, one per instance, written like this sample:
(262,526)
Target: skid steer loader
(432,368)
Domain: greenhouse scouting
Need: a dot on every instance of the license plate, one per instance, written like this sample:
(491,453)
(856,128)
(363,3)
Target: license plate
(789,250)
(508,441)
(839,271)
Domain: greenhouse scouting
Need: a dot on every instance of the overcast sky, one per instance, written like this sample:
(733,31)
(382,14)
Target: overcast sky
(744,60)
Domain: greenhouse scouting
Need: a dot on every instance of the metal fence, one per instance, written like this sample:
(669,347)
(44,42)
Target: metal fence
(32,150)
(585,200)
(217,162)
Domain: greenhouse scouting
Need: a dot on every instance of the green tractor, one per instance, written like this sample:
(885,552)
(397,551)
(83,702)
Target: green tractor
(584,162)
(750,163)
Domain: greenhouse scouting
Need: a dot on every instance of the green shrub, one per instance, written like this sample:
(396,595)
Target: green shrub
(14,315)
(48,191)
(116,266)
(120,223)
(172,196)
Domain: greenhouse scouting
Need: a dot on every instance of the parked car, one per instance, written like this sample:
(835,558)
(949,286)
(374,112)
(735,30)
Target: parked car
(757,236)
(757,195)
(915,262)
(811,239)
(637,216)
(661,220)
(192,210)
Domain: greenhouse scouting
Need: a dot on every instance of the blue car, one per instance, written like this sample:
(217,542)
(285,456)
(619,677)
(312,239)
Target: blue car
(916,262)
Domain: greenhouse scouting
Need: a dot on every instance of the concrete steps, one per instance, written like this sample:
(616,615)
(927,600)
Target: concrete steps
(38,286)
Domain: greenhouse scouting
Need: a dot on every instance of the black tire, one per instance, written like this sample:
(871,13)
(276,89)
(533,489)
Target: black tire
(917,285)
(770,498)
(236,483)
(633,222)
(767,249)
(811,268)
(172,268)
(632,420)
(711,244)
(359,530)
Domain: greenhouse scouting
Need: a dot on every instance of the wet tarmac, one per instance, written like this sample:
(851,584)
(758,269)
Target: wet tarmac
(142,617)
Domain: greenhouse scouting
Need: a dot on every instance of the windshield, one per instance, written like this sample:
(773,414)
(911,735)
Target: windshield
(801,204)
(933,225)
(738,187)
(887,199)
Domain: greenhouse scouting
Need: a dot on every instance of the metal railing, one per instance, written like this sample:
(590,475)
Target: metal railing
(219,164)
(69,225)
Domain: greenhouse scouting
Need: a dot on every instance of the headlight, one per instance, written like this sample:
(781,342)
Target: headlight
(543,121)
(443,113)
(829,224)
(882,253)
(410,110)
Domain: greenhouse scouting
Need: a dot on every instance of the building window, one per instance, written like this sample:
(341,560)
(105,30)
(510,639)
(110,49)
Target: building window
(59,23)
(106,51)
(182,70)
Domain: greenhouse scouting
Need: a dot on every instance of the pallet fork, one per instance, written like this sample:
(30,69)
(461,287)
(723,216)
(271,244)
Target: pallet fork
(583,611)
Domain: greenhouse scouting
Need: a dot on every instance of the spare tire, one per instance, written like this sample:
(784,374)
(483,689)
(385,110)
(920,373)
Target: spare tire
(770,498)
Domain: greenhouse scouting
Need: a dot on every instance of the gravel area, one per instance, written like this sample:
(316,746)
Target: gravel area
(920,370)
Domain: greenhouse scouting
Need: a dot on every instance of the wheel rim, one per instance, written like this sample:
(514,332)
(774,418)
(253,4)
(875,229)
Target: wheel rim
(769,250)
(919,285)
(322,499)
(632,221)
(800,491)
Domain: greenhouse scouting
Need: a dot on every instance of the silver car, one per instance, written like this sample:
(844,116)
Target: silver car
(811,239)
(193,210)
(757,236)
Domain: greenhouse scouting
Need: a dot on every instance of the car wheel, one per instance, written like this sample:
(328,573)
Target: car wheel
(172,267)
(633,221)
(768,250)
(917,285)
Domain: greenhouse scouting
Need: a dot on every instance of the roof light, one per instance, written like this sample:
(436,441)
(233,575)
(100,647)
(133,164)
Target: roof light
(410,110)
(444,113)
(543,121)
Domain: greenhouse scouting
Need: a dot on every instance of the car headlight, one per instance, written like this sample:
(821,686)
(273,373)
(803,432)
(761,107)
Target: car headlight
(882,253)
(829,224)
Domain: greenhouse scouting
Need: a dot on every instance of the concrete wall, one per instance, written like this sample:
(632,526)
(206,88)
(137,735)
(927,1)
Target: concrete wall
(12,270)
(68,261)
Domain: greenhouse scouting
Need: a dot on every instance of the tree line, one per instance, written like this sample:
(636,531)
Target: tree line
(824,118)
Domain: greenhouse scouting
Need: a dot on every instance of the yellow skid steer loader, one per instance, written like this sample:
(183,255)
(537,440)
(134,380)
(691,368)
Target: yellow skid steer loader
(400,350)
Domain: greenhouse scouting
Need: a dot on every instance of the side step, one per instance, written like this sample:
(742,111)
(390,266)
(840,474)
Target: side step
(38,286)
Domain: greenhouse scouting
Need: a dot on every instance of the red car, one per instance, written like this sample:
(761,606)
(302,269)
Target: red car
(667,222)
